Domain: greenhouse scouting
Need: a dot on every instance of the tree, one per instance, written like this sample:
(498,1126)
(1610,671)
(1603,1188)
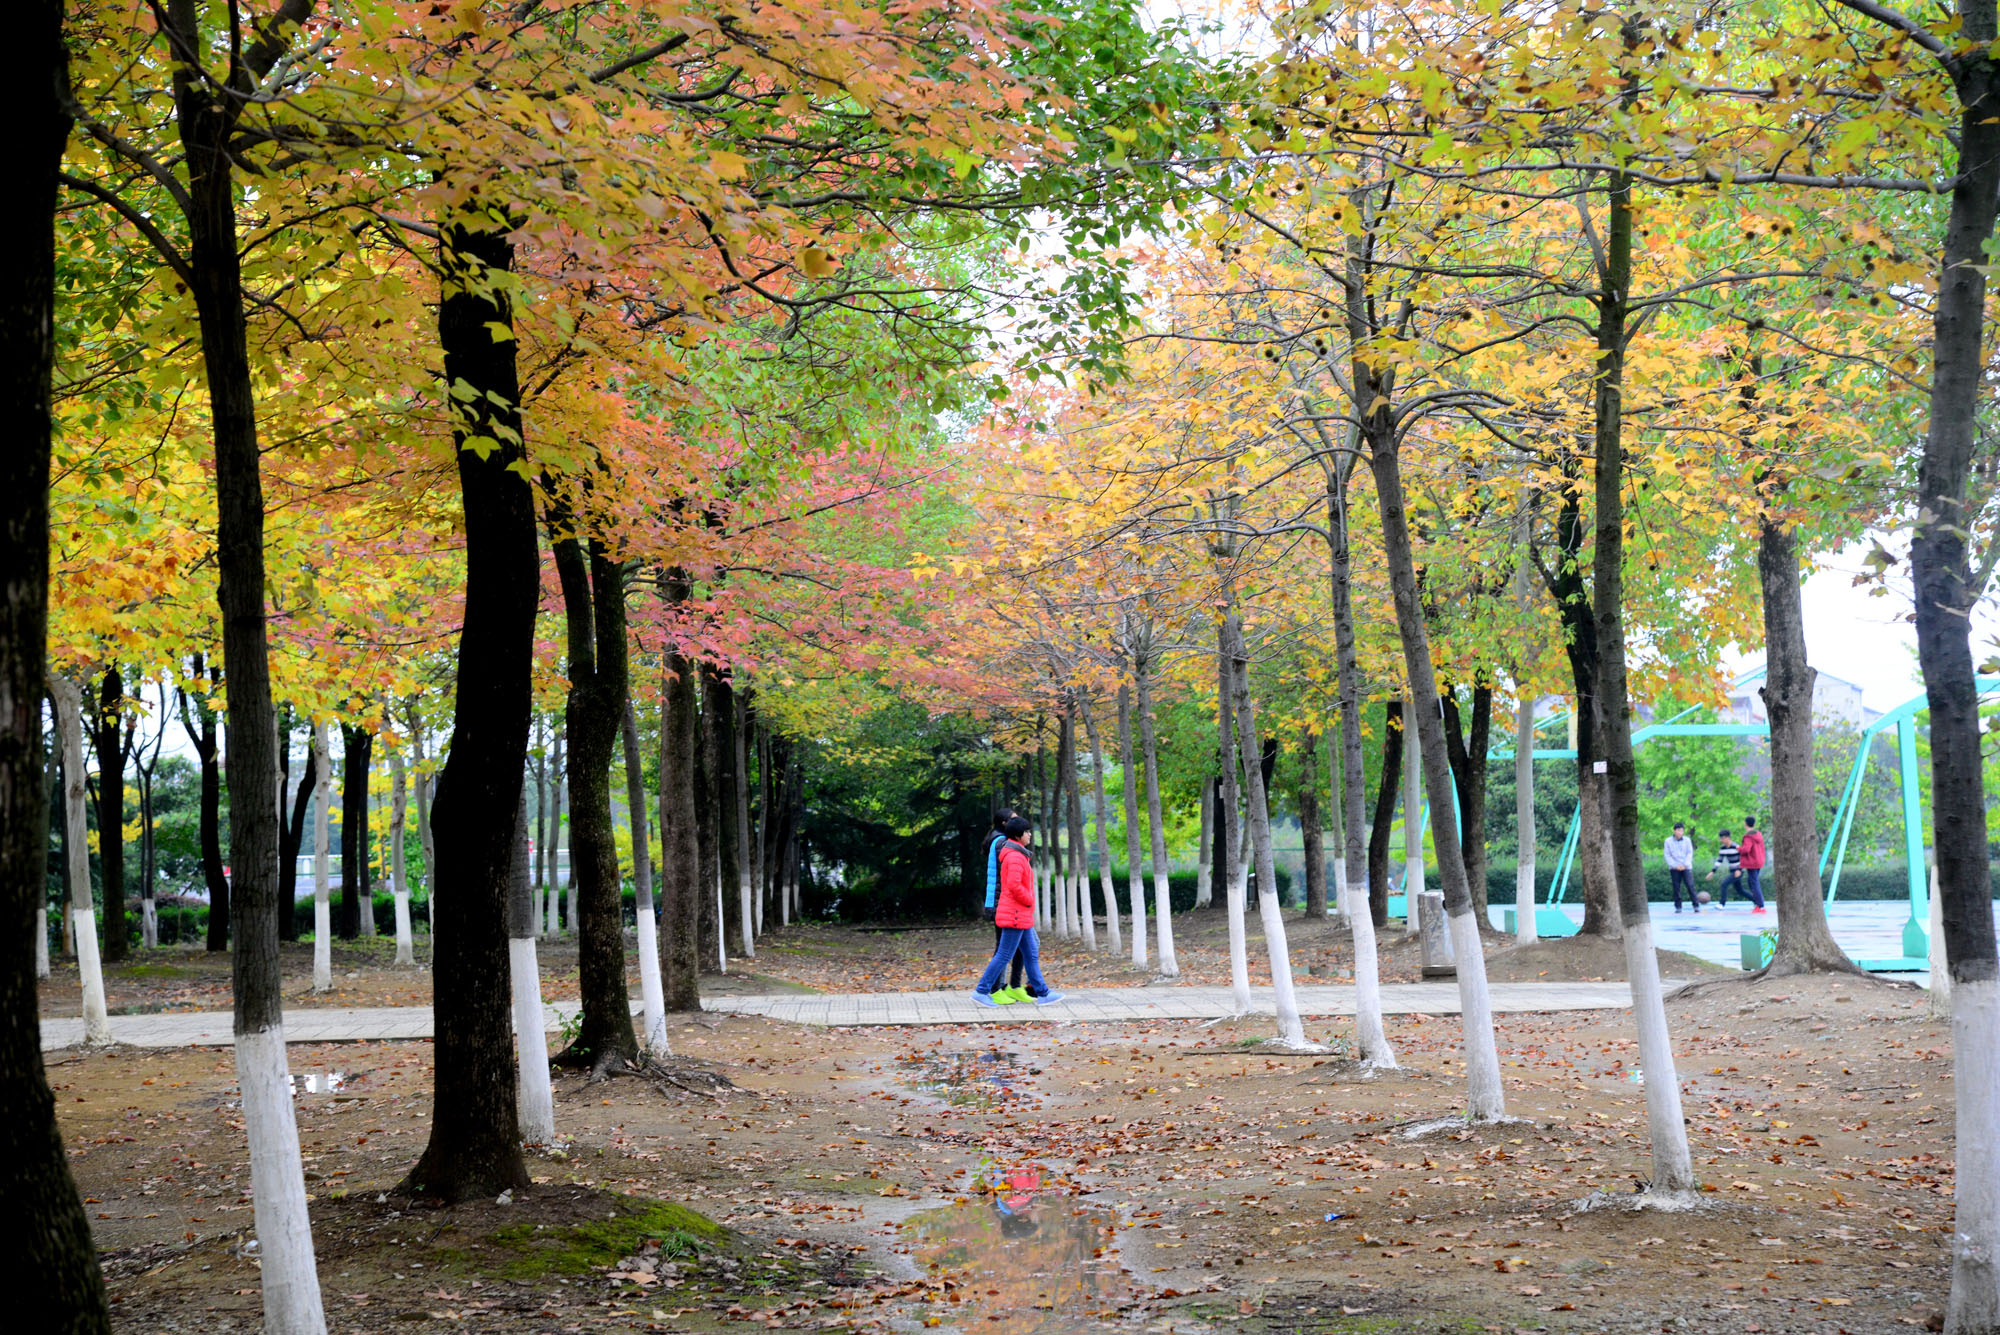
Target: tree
(112,728)
(52,1242)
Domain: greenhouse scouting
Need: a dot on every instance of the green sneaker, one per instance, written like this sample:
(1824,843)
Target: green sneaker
(1019,994)
(1003,996)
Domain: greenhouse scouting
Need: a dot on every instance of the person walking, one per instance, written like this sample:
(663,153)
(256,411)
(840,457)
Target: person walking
(1752,859)
(1727,857)
(1014,913)
(1679,850)
(1013,992)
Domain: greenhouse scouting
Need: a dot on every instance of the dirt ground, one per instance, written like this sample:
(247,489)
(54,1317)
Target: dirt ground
(1051,1177)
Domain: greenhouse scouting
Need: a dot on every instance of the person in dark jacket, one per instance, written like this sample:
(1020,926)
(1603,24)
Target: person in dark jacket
(1014,913)
(1013,992)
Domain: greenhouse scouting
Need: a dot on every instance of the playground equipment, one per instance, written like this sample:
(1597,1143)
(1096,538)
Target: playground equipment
(1550,920)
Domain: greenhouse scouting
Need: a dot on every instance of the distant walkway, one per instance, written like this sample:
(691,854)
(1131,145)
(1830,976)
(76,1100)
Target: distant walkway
(204,1029)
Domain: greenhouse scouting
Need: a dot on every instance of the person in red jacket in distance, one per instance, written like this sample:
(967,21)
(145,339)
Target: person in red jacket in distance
(1014,915)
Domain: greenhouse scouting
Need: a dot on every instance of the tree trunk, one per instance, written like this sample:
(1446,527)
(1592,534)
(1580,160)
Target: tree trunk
(68,702)
(1485,1099)
(399,875)
(1805,943)
(1371,1038)
(593,589)
(475,1147)
(1163,908)
(711,780)
(759,747)
(1114,933)
(290,840)
(1083,914)
(1573,607)
(357,901)
(1309,826)
(746,912)
(1135,876)
(681,878)
(1414,821)
(652,1007)
(201,731)
(1228,829)
(1468,747)
(1291,1029)
(322,865)
(538,737)
(552,923)
(1673,1169)
(1205,847)
(524,978)
(425,794)
(52,1251)
(1385,813)
(111,742)
(1353,787)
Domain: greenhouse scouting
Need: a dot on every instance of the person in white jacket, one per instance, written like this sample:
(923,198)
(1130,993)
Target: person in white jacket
(1679,850)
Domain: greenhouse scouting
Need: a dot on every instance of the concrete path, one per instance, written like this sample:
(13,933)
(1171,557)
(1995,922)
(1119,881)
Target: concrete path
(212,1028)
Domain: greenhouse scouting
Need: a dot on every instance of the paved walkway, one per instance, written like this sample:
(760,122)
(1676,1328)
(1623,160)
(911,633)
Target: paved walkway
(212,1028)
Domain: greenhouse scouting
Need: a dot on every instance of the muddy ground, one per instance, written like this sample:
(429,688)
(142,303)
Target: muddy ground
(1050,1177)
(829,958)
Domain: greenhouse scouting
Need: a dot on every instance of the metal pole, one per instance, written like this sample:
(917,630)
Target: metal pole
(1916,938)
(1566,859)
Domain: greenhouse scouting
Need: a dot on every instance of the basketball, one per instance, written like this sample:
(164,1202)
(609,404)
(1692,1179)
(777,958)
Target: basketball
(1701,896)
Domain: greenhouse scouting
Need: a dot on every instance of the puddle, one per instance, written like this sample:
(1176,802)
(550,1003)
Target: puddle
(1025,1259)
(319,1082)
(979,1079)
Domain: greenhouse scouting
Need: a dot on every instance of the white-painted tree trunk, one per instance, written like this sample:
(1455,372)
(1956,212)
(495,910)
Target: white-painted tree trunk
(423,795)
(1204,869)
(399,875)
(149,924)
(322,870)
(1291,1028)
(289,1277)
(1940,994)
(1135,874)
(1524,822)
(1413,831)
(1149,756)
(1113,931)
(42,942)
(531,1044)
(652,997)
(1336,829)
(1673,1167)
(1974,1306)
(68,700)
(1370,1039)
(746,911)
(1485,1099)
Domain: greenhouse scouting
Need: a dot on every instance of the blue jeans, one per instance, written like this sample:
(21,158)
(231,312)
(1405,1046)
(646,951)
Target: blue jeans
(1016,943)
(1753,885)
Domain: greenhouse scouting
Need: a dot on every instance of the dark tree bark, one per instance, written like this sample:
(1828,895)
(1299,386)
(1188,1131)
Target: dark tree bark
(1385,813)
(708,821)
(1309,822)
(719,719)
(475,1147)
(290,839)
(1353,796)
(680,862)
(593,589)
(356,894)
(199,722)
(1467,748)
(1218,855)
(52,1254)
(111,738)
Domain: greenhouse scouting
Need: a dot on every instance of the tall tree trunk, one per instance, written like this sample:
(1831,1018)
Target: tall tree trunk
(1206,851)
(322,979)
(681,868)
(52,1247)
(68,702)
(1291,1029)
(1385,813)
(399,875)
(1135,876)
(561,883)
(1567,586)
(1084,913)
(758,747)
(475,1145)
(536,1100)
(1485,1099)
(593,589)
(712,777)
(1113,932)
(1414,821)
(1149,755)
(199,721)
(1353,787)
(111,741)
(357,899)
(291,840)
(543,862)
(1673,1168)
(1371,1037)
(1468,747)
(652,1005)
(746,913)
(426,793)
(1805,943)
(1228,829)
(1309,826)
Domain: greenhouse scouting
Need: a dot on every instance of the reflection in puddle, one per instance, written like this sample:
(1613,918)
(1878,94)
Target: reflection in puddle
(1030,1261)
(981,1079)
(321,1082)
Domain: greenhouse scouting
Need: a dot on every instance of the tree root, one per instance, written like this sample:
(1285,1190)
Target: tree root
(1771,973)
(669,1073)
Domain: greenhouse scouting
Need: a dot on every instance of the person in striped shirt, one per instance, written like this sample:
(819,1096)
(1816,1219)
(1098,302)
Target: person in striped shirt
(1728,861)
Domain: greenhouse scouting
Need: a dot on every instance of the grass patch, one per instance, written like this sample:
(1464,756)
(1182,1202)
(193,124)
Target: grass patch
(152,971)
(578,1249)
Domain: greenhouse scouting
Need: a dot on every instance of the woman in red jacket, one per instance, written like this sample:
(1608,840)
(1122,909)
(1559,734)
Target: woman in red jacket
(1014,915)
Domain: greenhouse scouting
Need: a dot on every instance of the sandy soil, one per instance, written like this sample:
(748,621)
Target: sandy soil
(1157,1177)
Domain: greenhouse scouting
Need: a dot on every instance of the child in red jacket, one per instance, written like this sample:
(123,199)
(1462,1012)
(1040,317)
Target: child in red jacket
(1014,915)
